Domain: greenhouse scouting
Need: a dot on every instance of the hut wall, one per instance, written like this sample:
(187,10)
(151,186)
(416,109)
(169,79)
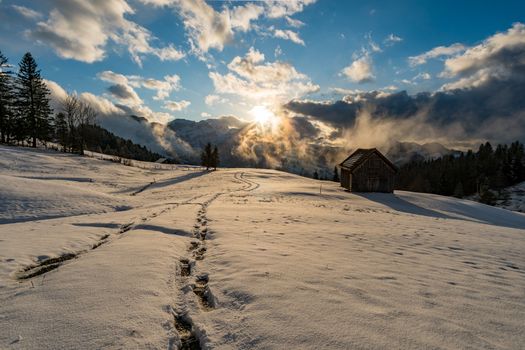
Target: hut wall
(346,179)
(374,175)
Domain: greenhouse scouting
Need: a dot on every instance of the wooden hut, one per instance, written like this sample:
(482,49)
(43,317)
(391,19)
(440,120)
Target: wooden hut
(367,170)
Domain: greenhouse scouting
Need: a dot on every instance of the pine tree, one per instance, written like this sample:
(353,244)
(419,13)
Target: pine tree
(458,190)
(316,175)
(486,196)
(206,156)
(215,158)
(336,174)
(6,99)
(32,102)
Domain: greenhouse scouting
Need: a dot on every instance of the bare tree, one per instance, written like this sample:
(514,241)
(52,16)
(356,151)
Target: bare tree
(78,116)
(85,117)
(70,107)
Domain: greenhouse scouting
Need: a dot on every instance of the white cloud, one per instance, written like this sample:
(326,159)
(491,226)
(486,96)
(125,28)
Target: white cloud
(163,87)
(27,12)
(242,16)
(208,28)
(278,9)
(499,57)
(81,30)
(129,101)
(278,51)
(158,3)
(493,56)
(57,95)
(252,78)
(104,107)
(211,100)
(205,115)
(416,79)
(435,53)
(390,88)
(374,47)
(294,22)
(479,78)
(101,104)
(288,35)
(343,91)
(360,71)
(176,106)
(422,76)
(113,77)
(169,53)
(391,39)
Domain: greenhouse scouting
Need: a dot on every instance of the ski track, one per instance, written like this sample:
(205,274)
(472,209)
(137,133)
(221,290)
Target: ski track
(143,188)
(53,263)
(184,325)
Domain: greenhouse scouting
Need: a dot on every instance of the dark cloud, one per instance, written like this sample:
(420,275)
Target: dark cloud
(124,93)
(339,113)
(304,128)
(483,100)
(472,108)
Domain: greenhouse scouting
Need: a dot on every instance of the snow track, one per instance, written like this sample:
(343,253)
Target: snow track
(142,189)
(250,185)
(50,264)
(198,249)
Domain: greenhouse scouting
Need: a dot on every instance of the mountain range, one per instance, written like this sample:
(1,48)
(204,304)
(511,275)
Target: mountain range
(244,144)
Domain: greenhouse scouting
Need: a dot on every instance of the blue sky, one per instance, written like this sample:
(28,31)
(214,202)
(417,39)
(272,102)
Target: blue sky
(338,47)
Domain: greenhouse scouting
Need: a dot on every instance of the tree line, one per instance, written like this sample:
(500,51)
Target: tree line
(25,114)
(26,117)
(100,140)
(485,172)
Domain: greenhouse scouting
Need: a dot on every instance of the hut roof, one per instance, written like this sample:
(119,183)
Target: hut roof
(361,155)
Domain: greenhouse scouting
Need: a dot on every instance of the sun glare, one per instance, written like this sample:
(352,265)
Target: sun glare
(262,114)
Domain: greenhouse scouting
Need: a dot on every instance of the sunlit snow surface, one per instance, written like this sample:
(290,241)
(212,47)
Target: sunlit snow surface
(277,261)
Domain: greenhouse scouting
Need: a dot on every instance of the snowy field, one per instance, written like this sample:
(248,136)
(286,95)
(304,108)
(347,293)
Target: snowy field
(98,255)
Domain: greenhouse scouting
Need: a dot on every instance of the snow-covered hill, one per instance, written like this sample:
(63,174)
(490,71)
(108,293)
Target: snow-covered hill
(100,255)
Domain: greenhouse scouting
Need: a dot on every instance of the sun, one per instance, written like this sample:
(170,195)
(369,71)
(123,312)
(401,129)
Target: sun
(262,114)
